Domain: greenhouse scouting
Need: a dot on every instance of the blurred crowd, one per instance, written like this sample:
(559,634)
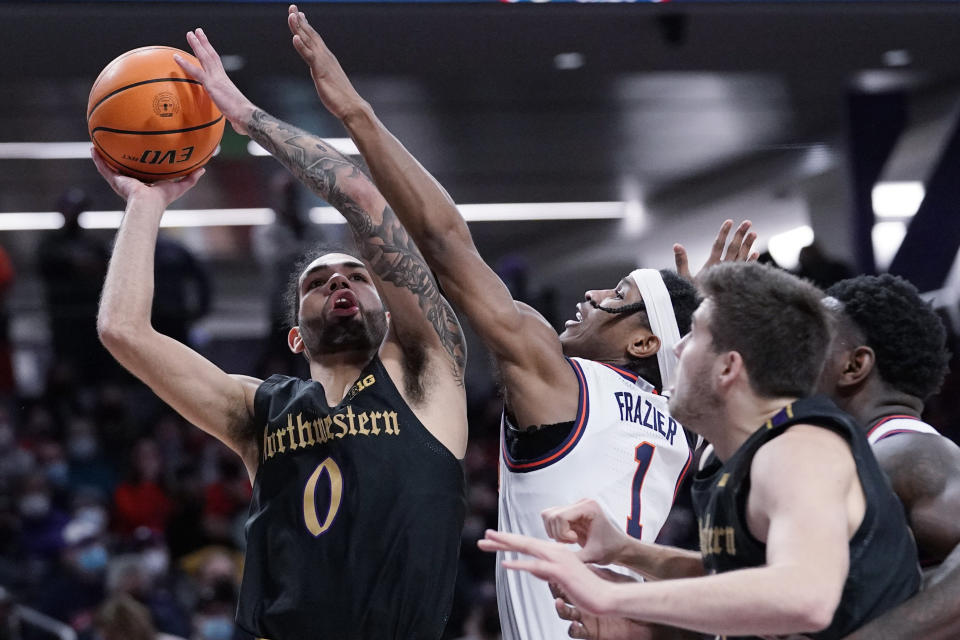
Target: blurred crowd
(119,520)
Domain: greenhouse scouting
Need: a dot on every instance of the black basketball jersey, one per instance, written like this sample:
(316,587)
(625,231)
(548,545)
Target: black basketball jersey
(355,521)
(883,556)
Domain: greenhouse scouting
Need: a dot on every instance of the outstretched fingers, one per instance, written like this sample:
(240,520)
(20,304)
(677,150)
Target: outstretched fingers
(736,242)
(192,70)
(716,251)
(305,38)
(208,57)
(743,255)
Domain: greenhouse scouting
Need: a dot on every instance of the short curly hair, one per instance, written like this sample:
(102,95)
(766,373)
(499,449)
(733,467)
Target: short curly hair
(905,333)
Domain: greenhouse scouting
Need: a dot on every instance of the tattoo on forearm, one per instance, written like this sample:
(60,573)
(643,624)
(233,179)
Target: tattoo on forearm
(386,245)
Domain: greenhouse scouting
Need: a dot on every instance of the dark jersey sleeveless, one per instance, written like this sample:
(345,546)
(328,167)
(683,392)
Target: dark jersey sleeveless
(355,521)
(883,556)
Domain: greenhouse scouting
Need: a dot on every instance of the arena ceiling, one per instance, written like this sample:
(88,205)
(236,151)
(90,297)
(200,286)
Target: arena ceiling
(664,101)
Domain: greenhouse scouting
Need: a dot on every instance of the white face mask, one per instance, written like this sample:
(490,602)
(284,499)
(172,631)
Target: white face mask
(216,628)
(35,505)
(155,561)
(97,516)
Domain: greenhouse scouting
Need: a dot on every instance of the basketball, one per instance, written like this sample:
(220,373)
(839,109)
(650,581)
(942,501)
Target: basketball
(149,119)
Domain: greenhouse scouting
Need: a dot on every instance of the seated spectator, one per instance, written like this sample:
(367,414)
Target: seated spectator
(76,588)
(142,500)
(123,618)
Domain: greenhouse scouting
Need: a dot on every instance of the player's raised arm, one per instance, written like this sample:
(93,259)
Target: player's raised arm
(218,403)
(513,331)
(419,314)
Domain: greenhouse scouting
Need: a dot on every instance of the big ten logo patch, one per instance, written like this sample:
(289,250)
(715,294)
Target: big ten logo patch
(366,383)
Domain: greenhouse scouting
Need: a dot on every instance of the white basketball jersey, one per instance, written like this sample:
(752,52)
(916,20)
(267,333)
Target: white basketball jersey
(892,425)
(624,451)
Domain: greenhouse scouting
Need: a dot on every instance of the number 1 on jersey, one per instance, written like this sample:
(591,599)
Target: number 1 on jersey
(643,455)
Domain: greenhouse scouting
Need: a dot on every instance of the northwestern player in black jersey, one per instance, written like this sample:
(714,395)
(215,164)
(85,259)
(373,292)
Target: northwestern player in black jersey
(888,355)
(796,519)
(358,492)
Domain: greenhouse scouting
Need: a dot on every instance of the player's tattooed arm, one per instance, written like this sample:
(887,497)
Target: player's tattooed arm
(382,240)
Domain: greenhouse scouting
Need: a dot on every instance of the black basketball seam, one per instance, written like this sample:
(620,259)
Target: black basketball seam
(157,133)
(137,84)
(154,173)
(127,54)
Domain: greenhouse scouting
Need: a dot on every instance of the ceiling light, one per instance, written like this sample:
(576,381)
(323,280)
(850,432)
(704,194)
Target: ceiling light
(184,218)
(887,238)
(510,212)
(897,58)
(569,60)
(346,146)
(232,62)
(39,220)
(785,247)
(30,221)
(897,199)
(44,150)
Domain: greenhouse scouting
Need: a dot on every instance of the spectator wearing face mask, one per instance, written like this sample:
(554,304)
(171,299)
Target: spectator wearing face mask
(88,467)
(213,619)
(41,523)
(76,588)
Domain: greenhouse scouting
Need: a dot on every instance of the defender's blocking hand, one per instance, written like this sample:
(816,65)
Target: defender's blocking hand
(235,106)
(739,249)
(334,88)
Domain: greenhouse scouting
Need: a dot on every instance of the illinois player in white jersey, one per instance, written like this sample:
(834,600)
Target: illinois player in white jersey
(622,448)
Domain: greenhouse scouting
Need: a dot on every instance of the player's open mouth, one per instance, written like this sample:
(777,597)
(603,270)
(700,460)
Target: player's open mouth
(344,304)
(579,319)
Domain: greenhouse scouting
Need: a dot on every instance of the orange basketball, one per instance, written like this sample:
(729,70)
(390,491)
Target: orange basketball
(149,119)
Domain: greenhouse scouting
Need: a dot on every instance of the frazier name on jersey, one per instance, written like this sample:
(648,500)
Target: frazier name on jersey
(636,408)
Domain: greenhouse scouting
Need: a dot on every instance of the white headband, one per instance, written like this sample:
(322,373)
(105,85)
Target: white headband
(663,322)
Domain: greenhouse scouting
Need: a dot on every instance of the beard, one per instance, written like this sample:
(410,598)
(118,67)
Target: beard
(695,404)
(363,332)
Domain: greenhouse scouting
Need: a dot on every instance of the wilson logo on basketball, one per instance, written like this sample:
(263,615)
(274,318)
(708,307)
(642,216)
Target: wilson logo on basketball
(165,104)
(163,156)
